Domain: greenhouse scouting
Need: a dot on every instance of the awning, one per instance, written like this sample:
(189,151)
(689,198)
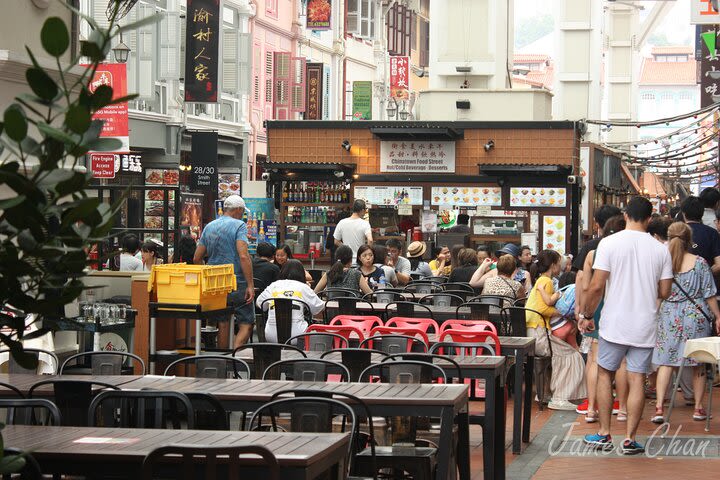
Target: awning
(630,178)
(417,133)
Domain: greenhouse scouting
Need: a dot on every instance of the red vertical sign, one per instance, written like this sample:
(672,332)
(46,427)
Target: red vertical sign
(399,83)
(115,117)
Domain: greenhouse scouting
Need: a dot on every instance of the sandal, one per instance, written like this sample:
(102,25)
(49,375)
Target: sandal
(658,418)
(592,417)
(700,414)
(622,416)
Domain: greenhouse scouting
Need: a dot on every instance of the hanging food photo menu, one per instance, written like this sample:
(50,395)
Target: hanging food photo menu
(537,197)
(191,213)
(228,184)
(553,234)
(467,196)
(154,199)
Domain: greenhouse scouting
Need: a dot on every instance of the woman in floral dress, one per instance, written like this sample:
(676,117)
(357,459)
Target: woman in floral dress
(680,318)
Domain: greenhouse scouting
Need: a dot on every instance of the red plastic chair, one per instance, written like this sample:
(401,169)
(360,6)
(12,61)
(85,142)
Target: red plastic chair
(423,324)
(409,331)
(471,325)
(347,331)
(470,336)
(363,322)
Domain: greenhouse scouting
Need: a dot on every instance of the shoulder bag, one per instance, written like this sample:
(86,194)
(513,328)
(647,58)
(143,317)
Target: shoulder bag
(692,300)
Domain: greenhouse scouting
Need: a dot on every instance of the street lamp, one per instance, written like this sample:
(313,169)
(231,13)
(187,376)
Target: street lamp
(121,51)
(403,113)
(391,108)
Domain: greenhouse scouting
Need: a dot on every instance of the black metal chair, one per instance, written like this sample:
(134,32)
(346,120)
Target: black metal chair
(462,286)
(442,299)
(141,409)
(423,287)
(307,370)
(463,349)
(407,309)
(355,359)
(210,366)
(318,341)
(72,397)
(335,292)
(307,414)
(283,308)
(26,467)
(101,363)
(434,359)
(387,295)
(346,306)
(16,391)
(496,302)
(316,274)
(197,461)
(394,343)
(209,412)
(41,356)
(404,454)
(437,280)
(473,310)
(264,355)
(24,411)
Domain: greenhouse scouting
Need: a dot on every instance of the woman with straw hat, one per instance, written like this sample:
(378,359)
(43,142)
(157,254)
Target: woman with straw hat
(418,266)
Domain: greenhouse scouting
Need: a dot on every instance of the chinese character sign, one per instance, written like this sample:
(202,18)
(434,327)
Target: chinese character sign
(318,14)
(702,13)
(201,51)
(417,157)
(314,86)
(399,77)
(114,117)
(709,66)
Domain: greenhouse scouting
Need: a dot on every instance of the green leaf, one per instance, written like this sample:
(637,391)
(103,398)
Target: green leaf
(32,57)
(92,51)
(16,125)
(54,177)
(25,359)
(30,146)
(55,37)
(56,133)
(41,84)
(84,208)
(74,184)
(105,145)
(83,231)
(124,99)
(12,202)
(102,97)
(78,119)
(26,241)
(140,23)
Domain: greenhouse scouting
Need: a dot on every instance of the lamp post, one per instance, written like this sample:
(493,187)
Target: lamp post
(391,108)
(403,113)
(121,51)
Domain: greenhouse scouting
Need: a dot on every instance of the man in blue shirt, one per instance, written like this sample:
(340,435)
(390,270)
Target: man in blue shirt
(224,240)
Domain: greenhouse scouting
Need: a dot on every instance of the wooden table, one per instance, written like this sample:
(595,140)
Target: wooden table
(91,451)
(448,402)
(24,381)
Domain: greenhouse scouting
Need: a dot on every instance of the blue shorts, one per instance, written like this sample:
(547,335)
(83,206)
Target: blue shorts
(610,356)
(244,312)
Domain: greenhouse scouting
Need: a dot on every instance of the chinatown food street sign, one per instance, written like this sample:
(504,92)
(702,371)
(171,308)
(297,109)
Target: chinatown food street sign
(201,51)
(417,157)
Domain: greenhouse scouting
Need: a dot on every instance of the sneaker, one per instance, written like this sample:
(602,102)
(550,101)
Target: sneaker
(700,414)
(562,405)
(631,447)
(658,418)
(616,407)
(603,442)
(582,408)
(592,417)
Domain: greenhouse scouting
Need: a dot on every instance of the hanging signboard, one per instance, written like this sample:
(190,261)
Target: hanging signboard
(702,13)
(417,157)
(467,196)
(399,83)
(362,100)
(191,207)
(114,117)
(313,104)
(204,159)
(554,233)
(709,65)
(201,51)
(318,14)
(102,165)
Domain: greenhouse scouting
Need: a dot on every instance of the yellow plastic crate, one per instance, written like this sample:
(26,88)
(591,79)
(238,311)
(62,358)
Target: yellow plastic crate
(204,285)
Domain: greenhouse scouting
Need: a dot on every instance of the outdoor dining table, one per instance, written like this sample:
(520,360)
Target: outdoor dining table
(96,451)
(448,402)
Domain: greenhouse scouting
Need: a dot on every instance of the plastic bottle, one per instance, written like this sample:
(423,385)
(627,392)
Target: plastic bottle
(585,344)
(382,282)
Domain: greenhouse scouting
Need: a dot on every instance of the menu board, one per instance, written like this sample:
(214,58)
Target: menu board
(159,176)
(465,196)
(155,209)
(228,184)
(191,213)
(538,196)
(390,195)
(553,234)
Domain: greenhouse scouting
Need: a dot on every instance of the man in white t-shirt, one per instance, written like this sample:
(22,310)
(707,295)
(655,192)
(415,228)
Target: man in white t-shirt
(354,231)
(635,270)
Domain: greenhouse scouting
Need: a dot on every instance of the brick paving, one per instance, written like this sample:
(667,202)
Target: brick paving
(556,450)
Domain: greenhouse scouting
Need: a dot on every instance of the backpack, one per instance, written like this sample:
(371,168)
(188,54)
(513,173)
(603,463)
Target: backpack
(566,303)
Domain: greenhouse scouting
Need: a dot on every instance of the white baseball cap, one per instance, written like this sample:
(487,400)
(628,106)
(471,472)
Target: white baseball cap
(233,201)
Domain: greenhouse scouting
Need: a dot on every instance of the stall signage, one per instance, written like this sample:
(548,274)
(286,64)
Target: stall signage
(103,165)
(362,100)
(709,65)
(402,156)
(466,196)
(702,13)
(204,159)
(114,117)
(202,50)
(318,14)
(313,96)
(399,85)
(131,163)
(390,195)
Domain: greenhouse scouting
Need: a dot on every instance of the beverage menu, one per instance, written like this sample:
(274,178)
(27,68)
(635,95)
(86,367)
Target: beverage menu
(390,195)
(538,196)
(467,196)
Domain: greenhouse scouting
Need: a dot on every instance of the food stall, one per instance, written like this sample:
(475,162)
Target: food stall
(518,181)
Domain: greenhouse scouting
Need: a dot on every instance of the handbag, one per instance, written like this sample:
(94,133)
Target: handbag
(692,300)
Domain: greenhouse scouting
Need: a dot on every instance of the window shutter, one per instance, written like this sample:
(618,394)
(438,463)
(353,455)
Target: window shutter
(297,65)
(353,17)
(281,82)
(146,50)
(244,67)
(130,39)
(269,77)
(98,13)
(390,31)
(183,39)
(229,60)
(424,43)
(326,93)
(170,46)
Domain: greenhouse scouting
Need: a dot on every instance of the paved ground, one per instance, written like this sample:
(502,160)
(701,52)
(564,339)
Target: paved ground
(556,451)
